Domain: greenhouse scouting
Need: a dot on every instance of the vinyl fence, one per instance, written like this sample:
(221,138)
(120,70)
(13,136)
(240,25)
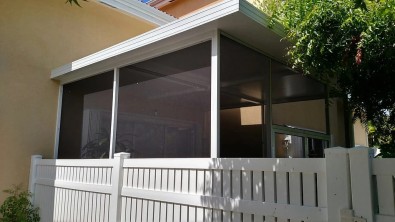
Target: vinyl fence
(347,185)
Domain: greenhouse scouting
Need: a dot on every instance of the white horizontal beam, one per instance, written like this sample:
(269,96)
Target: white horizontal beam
(95,188)
(77,163)
(261,164)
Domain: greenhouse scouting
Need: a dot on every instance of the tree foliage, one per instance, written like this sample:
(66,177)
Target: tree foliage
(349,44)
(76,2)
(18,208)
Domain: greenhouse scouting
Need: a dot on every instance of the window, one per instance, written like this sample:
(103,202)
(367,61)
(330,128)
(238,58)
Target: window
(164,105)
(243,100)
(298,105)
(86,118)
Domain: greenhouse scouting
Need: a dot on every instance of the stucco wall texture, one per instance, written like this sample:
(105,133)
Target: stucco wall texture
(36,37)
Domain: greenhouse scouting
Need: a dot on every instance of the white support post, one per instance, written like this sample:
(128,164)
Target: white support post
(114,114)
(338,182)
(361,182)
(58,118)
(215,92)
(117,183)
(33,173)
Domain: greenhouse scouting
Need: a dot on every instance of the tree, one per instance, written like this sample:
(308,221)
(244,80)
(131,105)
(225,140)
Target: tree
(350,45)
(71,2)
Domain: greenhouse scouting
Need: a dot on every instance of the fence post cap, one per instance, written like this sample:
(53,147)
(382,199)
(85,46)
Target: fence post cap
(122,155)
(37,157)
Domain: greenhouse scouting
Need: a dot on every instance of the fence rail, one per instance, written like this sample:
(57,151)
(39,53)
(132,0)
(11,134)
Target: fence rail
(211,190)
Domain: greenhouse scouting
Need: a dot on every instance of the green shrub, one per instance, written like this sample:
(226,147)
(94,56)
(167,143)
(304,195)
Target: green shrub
(17,207)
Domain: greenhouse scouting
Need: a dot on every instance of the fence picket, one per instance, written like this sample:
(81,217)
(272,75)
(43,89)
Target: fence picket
(150,212)
(247,192)
(169,210)
(192,182)
(158,179)
(185,181)
(156,211)
(199,214)
(165,182)
(208,182)
(227,193)
(139,210)
(208,215)
(282,191)
(127,207)
(152,177)
(191,214)
(184,213)
(236,192)
(133,213)
(177,213)
(295,190)
(163,212)
(144,210)
(170,181)
(270,191)
(200,182)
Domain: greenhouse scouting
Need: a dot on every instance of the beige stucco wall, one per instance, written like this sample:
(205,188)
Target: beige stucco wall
(360,134)
(303,114)
(36,37)
(336,121)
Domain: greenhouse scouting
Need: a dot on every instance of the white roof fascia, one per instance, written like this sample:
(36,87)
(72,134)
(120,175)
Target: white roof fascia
(141,10)
(98,60)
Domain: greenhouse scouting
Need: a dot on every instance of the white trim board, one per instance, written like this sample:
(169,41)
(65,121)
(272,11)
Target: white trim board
(141,10)
(235,17)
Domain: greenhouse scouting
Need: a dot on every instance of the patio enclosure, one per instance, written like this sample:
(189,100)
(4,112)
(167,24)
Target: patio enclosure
(206,98)
(346,185)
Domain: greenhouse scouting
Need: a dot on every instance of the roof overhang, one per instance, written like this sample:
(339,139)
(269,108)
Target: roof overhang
(237,18)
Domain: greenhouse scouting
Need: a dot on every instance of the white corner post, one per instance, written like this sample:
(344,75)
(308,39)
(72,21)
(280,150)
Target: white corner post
(338,182)
(114,114)
(361,182)
(215,92)
(58,117)
(33,173)
(117,184)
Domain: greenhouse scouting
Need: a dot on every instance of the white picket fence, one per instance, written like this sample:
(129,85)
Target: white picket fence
(341,187)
